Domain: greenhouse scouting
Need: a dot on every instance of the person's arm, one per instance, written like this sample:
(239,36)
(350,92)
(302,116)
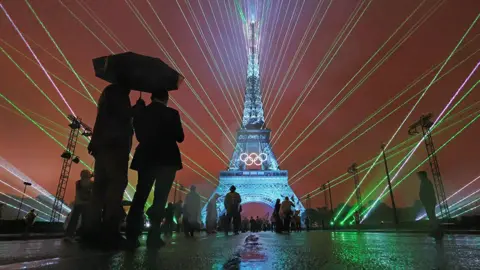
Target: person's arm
(179,135)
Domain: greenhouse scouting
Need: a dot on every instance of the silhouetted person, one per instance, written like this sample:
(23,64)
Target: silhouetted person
(168,225)
(212,214)
(252,224)
(29,221)
(83,194)
(429,201)
(286,213)
(110,146)
(232,206)
(278,219)
(191,212)
(298,221)
(307,223)
(258,224)
(158,129)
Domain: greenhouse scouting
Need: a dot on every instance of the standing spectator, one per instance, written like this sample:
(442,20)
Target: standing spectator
(191,213)
(212,215)
(157,159)
(232,206)
(110,146)
(429,201)
(83,193)
(286,213)
(29,221)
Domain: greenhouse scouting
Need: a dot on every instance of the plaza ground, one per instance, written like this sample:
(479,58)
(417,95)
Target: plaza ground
(265,250)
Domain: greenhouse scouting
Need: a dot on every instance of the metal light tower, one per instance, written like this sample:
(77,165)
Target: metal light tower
(392,198)
(324,188)
(330,195)
(68,158)
(425,123)
(26,184)
(353,170)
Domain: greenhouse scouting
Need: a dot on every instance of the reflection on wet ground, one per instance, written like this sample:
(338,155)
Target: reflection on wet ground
(312,250)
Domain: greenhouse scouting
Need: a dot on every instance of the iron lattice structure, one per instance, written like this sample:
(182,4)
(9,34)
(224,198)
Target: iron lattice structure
(425,123)
(68,158)
(253,168)
(353,170)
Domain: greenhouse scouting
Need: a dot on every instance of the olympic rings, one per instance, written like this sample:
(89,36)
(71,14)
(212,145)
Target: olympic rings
(253,158)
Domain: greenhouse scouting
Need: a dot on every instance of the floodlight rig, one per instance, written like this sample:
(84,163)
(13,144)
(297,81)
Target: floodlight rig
(425,123)
(76,127)
(325,193)
(353,171)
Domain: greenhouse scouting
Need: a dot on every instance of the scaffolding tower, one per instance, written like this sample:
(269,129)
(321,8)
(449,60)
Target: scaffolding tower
(353,170)
(425,123)
(68,156)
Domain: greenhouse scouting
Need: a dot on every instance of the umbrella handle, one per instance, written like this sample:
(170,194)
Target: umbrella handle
(140,97)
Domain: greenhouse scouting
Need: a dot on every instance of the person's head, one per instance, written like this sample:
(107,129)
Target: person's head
(422,175)
(287,199)
(32,211)
(85,174)
(160,96)
(193,188)
(233,188)
(278,200)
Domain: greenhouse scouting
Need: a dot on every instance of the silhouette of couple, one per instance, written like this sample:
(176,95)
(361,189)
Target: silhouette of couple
(158,129)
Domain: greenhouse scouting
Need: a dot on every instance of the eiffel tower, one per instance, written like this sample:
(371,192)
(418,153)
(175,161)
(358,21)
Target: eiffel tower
(254,169)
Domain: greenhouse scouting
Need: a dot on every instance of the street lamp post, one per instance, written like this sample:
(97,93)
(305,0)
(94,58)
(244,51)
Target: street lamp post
(395,217)
(26,184)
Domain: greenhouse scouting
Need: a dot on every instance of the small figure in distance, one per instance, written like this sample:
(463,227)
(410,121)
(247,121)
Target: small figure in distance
(83,194)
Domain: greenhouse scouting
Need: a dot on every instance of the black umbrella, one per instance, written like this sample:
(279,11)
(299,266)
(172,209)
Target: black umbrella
(137,72)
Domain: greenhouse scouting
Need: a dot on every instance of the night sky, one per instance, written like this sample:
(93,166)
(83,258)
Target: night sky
(206,41)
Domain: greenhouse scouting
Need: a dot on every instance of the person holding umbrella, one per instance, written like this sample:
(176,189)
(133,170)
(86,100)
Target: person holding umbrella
(112,140)
(110,146)
(157,159)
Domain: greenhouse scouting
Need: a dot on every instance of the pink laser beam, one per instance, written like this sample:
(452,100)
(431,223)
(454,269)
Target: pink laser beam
(36,58)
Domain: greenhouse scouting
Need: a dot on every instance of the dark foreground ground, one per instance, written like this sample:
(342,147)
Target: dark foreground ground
(312,250)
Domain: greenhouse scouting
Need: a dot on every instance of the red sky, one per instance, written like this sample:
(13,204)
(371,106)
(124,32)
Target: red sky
(34,153)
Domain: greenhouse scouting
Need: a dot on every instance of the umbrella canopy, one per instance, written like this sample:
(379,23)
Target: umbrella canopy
(137,72)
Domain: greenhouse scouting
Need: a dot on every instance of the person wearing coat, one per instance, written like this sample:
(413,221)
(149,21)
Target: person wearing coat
(212,214)
(157,159)
(110,145)
(429,201)
(191,212)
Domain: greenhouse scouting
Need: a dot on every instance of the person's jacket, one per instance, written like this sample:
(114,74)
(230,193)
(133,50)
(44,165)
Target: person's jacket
(232,202)
(83,192)
(286,208)
(158,129)
(113,129)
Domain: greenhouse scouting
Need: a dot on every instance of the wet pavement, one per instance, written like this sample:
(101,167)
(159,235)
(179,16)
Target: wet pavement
(265,250)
